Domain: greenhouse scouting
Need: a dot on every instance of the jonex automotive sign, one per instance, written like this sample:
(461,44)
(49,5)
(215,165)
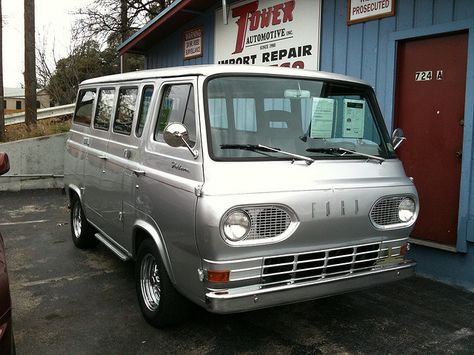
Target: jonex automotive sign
(269,32)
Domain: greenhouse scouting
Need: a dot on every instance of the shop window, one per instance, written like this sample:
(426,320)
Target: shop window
(245,114)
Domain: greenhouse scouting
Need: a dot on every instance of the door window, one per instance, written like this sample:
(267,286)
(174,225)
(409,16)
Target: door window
(177,105)
(85,103)
(147,94)
(104,110)
(127,100)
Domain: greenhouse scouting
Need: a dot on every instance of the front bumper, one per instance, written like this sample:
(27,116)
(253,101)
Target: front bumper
(251,297)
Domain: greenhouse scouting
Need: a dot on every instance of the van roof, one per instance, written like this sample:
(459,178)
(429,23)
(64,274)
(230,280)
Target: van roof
(207,70)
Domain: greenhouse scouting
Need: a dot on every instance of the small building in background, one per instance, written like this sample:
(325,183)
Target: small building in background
(14,100)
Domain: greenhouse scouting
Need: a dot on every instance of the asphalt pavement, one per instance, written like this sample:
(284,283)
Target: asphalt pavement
(69,301)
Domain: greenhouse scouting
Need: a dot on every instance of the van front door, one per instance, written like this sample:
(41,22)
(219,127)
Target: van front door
(166,191)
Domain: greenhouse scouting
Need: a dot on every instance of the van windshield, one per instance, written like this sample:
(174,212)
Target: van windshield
(309,118)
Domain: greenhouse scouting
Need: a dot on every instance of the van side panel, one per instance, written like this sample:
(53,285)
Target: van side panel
(172,203)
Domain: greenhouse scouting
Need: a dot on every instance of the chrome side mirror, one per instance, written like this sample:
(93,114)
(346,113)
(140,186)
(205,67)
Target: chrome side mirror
(397,137)
(4,163)
(176,135)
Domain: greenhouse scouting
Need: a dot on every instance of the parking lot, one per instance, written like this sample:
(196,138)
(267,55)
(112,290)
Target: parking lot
(69,301)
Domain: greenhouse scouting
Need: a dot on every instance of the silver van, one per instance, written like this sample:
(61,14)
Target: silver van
(239,187)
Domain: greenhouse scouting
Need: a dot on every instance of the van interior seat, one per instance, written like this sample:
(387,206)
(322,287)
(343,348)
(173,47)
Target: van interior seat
(282,128)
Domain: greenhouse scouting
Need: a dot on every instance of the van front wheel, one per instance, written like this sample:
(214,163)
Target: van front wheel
(159,301)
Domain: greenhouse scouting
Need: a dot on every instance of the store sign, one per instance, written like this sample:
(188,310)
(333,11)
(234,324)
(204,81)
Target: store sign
(192,43)
(269,32)
(366,10)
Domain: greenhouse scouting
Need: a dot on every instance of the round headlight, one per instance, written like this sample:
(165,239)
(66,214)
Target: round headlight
(406,209)
(236,225)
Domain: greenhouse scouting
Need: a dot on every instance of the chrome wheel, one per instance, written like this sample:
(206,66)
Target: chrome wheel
(150,282)
(77,219)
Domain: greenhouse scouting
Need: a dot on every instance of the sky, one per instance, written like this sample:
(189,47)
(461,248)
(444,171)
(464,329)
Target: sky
(54,19)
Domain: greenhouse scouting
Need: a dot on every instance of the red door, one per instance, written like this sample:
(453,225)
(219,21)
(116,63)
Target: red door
(431,80)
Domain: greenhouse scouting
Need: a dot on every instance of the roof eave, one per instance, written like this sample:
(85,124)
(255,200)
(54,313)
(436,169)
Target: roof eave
(164,15)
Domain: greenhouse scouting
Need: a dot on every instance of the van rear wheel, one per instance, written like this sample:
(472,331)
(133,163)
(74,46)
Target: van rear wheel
(81,230)
(160,303)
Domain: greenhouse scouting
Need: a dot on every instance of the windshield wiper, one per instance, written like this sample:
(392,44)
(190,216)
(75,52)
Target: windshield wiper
(345,151)
(264,148)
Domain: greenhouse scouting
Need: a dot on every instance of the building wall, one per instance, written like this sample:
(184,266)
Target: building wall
(363,50)
(11,105)
(169,52)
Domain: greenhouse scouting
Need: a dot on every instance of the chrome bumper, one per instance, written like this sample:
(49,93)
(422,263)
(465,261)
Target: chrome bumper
(249,298)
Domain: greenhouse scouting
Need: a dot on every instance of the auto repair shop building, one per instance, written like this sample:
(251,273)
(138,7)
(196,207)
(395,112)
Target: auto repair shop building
(417,54)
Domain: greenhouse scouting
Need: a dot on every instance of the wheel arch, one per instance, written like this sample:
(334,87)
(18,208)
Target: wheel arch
(144,230)
(72,190)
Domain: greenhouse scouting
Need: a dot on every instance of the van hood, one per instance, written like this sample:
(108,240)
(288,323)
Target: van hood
(230,178)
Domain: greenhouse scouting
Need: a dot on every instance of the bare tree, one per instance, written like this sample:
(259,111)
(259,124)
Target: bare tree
(112,21)
(2,100)
(30,63)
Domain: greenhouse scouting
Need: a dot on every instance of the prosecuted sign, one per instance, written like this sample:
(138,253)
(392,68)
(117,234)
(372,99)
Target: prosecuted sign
(192,43)
(365,10)
(269,32)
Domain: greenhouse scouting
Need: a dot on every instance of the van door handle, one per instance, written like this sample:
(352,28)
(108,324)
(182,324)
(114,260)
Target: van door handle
(86,141)
(102,157)
(138,172)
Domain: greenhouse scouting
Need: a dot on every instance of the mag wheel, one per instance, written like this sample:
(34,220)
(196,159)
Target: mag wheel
(81,230)
(159,301)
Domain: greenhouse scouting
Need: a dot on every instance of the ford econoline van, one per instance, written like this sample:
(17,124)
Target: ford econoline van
(239,187)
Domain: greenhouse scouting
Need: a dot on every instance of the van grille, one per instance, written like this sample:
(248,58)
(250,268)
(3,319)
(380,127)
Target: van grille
(302,267)
(267,222)
(385,211)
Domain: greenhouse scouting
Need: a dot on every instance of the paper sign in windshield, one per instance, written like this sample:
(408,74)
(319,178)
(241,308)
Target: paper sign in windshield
(322,118)
(353,122)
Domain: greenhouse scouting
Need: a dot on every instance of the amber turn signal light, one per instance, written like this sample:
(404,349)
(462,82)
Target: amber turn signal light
(218,276)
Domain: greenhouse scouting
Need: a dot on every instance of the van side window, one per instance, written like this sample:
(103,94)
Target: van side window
(104,112)
(85,103)
(127,100)
(177,105)
(147,94)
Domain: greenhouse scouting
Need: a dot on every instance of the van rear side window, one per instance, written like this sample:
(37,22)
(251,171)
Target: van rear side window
(104,111)
(125,110)
(84,106)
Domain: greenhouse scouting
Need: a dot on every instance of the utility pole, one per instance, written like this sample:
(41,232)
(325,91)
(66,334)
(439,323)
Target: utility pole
(30,63)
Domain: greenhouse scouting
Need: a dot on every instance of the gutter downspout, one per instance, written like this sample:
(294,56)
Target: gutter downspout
(225,11)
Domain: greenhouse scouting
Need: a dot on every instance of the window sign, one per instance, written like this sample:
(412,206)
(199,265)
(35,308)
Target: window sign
(354,117)
(269,32)
(366,10)
(322,118)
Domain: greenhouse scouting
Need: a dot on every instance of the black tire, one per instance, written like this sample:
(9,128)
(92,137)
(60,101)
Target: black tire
(81,230)
(159,301)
